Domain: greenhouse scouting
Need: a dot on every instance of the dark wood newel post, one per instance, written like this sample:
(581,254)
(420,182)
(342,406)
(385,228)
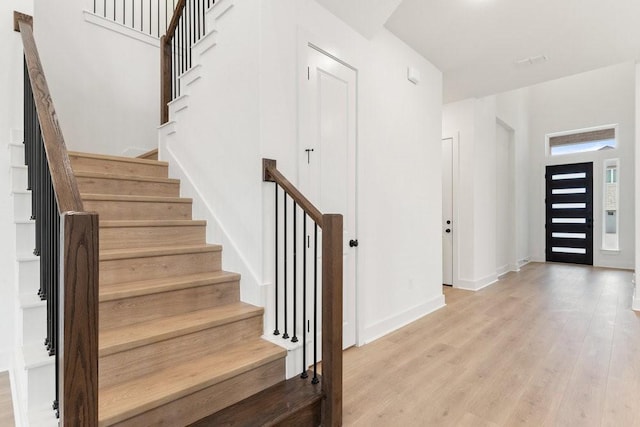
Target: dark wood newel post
(332,319)
(79,361)
(165,79)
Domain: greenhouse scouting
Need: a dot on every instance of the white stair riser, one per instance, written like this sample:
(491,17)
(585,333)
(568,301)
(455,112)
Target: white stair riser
(41,383)
(215,12)
(21,206)
(17,154)
(34,324)
(25,238)
(18,178)
(36,388)
(28,276)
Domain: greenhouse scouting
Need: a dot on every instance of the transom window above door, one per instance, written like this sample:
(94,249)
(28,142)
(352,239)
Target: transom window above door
(581,142)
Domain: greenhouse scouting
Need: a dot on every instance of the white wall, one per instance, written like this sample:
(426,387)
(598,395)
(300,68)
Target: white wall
(10,119)
(105,86)
(244,108)
(399,179)
(217,144)
(474,121)
(458,119)
(600,97)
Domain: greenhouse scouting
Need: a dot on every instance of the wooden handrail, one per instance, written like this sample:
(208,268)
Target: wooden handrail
(64,182)
(270,173)
(78,354)
(165,61)
(332,276)
(173,24)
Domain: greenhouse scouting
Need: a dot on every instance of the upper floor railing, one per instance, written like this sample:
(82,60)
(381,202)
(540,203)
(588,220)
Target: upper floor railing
(186,27)
(303,293)
(67,244)
(147,16)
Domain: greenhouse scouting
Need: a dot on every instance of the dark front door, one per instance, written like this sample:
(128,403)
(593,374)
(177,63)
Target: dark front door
(569,225)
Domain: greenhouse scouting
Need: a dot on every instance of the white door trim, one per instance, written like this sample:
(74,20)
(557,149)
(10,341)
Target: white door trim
(304,43)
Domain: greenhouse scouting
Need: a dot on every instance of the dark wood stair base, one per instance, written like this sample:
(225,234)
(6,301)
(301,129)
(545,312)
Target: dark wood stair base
(294,402)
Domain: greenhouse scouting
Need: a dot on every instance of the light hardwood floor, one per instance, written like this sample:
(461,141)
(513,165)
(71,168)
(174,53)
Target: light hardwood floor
(6,407)
(553,345)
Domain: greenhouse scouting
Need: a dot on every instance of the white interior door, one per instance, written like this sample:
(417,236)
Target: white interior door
(447,211)
(327,158)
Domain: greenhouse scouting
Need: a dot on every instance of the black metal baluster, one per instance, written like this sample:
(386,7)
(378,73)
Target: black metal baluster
(158,18)
(276,331)
(286,270)
(56,260)
(295,278)
(114,11)
(94,6)
(124,13)
(34,194)
(190,23)
(142,15)
(183,43)
(197,19)
(104,8)
(173,67)
(304,296)
(150,19)
(315,379)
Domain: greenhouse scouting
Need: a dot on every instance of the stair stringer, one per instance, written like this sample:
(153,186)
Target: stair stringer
(252,288)
(32,373)
(182,111)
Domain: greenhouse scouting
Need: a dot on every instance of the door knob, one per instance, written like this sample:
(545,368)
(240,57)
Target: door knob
(353,243)
(448,230)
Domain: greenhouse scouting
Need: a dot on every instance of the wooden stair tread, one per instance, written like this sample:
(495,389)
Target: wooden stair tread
(113,254)
(134,198)
(127,337)
(152,223)
(117,158)
(147,287)
(134,397)
(151,154)
(270,407)
(102,175)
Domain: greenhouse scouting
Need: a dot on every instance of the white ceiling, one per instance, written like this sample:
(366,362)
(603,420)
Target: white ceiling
(365,16)
(476,43)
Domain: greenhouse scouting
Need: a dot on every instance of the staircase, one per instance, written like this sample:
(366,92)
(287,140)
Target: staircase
(176,344)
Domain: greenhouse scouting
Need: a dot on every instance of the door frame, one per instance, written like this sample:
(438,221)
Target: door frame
(307,41)
(455,182)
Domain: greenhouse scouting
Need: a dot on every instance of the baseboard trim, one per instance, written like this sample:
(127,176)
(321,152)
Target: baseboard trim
(500,271)
(476,285)
(395,322)
(17,408)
